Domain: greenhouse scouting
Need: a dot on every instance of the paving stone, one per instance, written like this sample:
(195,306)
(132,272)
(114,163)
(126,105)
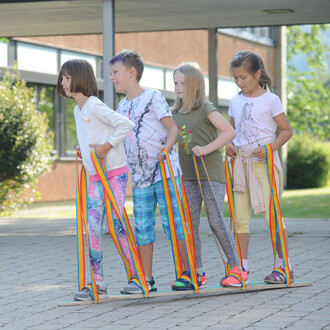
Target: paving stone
(44,272)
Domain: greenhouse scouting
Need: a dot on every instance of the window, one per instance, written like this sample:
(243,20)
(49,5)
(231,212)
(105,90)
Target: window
(3,54)
(36,58)
(261,35)
(67,55)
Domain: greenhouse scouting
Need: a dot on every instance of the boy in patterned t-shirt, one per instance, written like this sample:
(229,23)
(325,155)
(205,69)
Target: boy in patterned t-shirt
(154,131)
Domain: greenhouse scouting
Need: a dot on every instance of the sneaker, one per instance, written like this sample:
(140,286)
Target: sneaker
(85,294)
(232,280)
(223,278)
(133,288)
(184,282)
(201,278)
(277,276)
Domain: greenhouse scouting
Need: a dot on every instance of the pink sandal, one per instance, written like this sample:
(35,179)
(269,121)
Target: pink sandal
(277,276)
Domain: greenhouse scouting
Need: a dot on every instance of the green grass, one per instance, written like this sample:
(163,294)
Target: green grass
(304,203)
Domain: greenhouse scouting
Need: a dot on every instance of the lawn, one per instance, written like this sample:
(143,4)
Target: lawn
(304,203)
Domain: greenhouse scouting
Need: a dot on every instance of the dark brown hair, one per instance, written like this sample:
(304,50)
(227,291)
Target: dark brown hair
(252,63)
(82,78)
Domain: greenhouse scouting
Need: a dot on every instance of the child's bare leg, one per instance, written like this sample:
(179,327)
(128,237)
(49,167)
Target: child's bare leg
(244,239)
(183,254)
(146,254)
(279,251)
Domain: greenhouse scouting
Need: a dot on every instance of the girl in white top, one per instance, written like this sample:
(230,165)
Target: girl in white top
(255,114)
(100,128)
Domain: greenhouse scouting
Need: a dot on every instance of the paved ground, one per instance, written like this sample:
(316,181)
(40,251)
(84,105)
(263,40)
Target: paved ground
(37,269)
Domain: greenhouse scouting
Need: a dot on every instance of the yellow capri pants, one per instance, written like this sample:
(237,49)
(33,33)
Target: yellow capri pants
(242,199)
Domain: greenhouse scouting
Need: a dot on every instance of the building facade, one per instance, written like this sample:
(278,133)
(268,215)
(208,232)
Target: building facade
(39,59)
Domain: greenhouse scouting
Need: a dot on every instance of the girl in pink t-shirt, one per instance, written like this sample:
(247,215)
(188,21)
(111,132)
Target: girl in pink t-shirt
(255,114)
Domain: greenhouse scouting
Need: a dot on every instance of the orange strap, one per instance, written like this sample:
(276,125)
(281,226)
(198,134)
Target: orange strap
(275,217)
(185,221)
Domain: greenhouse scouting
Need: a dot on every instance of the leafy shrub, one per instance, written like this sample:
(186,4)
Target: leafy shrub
(308,162)
(25,144)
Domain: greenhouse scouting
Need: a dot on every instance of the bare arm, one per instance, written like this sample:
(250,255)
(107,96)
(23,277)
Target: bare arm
(227,133)
(172,134)
(282,138)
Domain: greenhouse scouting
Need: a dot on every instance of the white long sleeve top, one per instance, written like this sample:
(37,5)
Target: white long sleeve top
(96,123)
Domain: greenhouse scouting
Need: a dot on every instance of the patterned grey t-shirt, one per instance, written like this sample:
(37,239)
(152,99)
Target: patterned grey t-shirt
(147,137)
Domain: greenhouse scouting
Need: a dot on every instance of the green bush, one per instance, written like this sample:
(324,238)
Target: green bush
(25,144)
(308,162)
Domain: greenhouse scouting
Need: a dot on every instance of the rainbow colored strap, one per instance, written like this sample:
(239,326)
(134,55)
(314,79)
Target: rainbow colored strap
(275,218)
(231,205)
(81,222)
(110,202)
(185,221)
(240,278)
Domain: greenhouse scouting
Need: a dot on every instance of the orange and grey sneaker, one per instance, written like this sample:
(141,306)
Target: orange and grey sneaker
(203,280)
(234,277)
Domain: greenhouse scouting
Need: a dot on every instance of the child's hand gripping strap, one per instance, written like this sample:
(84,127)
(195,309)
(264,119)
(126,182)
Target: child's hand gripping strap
(275,218)
(240,278)
(185,221)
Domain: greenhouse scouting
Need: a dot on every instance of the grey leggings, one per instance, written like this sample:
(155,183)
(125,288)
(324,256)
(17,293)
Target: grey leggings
(215,219)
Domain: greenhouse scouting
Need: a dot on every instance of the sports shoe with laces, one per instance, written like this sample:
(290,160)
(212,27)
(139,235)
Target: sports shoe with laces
(203,280)
(232,280)
(133,288)
(224,277)
(85,294)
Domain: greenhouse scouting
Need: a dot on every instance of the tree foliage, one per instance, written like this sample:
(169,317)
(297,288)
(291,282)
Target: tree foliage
(308,92)
(25,144)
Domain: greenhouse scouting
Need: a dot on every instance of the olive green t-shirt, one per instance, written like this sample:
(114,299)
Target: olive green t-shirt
(203,132)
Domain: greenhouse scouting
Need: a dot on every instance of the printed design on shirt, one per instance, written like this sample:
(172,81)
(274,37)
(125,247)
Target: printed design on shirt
(149,134)
(142,152)
(246,127)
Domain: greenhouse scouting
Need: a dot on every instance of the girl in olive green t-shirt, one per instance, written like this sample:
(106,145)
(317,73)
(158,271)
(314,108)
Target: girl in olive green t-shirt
(209,131)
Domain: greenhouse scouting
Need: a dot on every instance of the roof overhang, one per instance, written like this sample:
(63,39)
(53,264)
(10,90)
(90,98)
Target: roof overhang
(52,17)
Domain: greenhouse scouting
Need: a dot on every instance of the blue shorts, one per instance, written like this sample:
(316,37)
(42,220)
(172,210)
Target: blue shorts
(144,207)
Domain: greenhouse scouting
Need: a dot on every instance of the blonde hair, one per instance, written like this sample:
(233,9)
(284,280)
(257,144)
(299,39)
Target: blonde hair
(194,88)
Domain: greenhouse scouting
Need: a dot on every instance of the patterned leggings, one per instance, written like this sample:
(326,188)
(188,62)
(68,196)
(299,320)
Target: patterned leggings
(216,222)
(96,215)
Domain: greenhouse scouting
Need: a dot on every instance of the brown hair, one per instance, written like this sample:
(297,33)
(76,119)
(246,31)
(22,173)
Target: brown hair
(82,78)
(252,62)
(130,58)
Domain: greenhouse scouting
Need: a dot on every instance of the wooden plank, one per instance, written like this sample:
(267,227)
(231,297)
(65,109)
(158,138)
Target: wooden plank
(211,290)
